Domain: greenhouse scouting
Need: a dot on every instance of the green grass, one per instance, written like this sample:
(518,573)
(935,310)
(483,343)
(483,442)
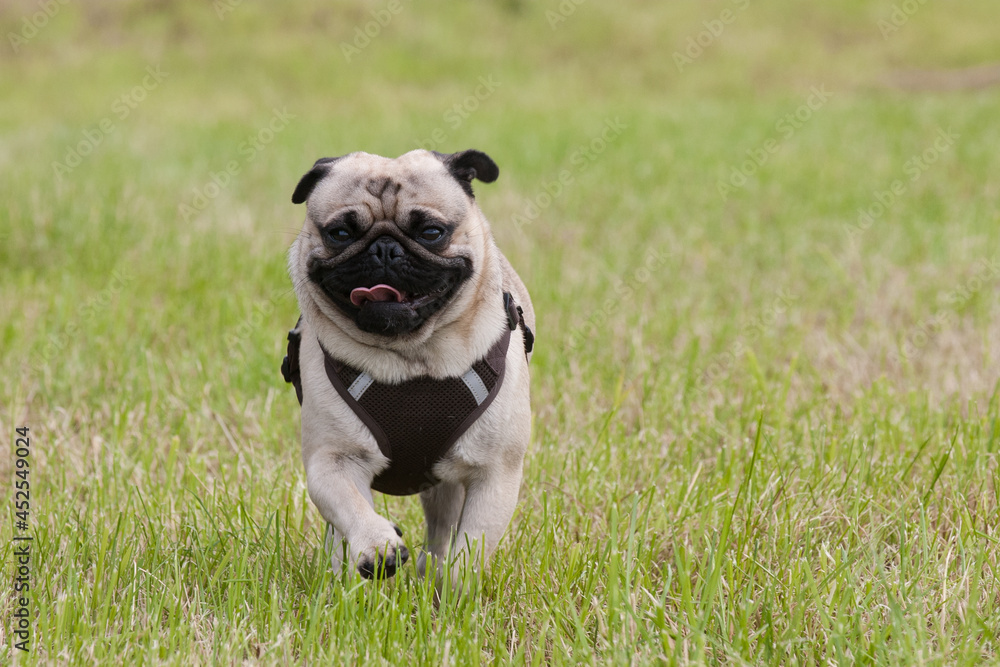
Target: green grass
(765,432)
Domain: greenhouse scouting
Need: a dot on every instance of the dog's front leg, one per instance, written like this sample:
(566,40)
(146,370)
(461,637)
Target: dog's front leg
(443,509)
(339,486)
(489,505)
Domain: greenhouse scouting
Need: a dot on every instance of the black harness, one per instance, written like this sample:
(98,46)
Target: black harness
(415,422)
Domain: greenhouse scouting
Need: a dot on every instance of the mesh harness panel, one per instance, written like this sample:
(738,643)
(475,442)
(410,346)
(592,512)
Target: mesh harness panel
(416,422)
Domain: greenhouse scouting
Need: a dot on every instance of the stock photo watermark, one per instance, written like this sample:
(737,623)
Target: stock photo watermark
(121,108)
(260,313)
(57,343)
(900,16)
(249,149)
(723,362)
(34,23)
(23,539)
(785,128)
(562,12)
(913,169)
(459,112)
(919,336)
(225,7)
(696,44)
(624,289)
(364,34)
(580,159)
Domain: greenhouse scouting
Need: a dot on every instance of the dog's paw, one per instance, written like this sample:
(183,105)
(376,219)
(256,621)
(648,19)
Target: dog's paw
(383,566)
(382,561)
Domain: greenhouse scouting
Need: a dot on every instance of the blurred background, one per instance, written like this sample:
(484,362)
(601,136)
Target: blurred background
(153,136)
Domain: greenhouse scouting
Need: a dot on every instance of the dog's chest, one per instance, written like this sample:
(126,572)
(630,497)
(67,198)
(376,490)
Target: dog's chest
(416,422)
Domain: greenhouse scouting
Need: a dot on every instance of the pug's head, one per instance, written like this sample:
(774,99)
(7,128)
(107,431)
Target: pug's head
(388,242)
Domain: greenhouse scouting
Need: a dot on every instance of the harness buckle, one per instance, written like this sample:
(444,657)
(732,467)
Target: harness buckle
(513,315)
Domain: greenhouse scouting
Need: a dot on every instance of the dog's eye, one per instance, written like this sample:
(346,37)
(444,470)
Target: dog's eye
(431,234)
(338,234)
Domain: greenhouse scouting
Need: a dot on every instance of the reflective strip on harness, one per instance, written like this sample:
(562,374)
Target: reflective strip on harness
(475,385)
(360,385)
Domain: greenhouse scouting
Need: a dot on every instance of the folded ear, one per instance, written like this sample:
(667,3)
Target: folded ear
(470,164)
(312,177)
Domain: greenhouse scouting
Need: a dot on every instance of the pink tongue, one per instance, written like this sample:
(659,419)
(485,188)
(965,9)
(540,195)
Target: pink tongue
(377,293)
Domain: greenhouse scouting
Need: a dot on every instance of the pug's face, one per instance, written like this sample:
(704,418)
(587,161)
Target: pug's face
(387,239)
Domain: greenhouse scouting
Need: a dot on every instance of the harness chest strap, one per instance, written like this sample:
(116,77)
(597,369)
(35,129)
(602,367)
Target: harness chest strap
(416,422)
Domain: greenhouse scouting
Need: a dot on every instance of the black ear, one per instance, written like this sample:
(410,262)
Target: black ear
(312,177)
(470,164)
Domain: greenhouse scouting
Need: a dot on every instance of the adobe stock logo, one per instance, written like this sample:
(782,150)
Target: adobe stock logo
(786,127)
(900,16)
(459,112)
(249,149)
(58,341)
(914,168)
(122,107)
(697,44)
(564,10)
(364,34)
(31,25)
(723,363)
(924,332)
(625,289)
(223,7)
(580,160)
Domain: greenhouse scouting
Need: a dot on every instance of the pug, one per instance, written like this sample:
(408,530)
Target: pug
(410,359)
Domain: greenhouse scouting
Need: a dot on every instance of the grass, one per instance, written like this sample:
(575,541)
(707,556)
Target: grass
(766,427)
